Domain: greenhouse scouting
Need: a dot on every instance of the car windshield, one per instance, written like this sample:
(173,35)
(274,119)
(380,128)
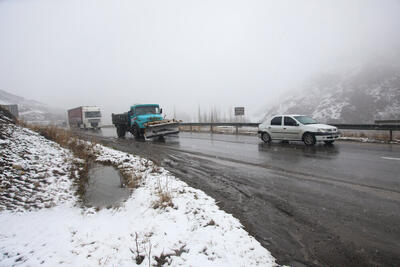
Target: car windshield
(92,114)
(147,110)
(305,120)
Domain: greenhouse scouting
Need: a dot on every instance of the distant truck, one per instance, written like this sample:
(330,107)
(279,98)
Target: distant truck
(144,120)
(85,117)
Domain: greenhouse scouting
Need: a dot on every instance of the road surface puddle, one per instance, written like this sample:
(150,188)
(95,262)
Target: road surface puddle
(105,187)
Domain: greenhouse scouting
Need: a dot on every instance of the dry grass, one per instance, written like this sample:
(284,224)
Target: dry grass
(166,258)
(210,223)
(164,196)
(131,179)
(53,133)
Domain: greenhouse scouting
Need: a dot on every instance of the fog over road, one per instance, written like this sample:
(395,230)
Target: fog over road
(324,205)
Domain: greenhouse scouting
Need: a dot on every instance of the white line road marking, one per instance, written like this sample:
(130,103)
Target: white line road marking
(390,158)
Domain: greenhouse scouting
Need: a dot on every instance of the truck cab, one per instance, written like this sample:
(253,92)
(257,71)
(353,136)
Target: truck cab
(91,118)
(85,117)
(141,114)
(144,120)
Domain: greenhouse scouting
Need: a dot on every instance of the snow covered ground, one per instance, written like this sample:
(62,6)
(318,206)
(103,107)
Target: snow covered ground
(43,223)
(34,171)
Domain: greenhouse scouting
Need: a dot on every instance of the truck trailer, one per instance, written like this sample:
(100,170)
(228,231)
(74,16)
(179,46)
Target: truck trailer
(85,117)
(144,120)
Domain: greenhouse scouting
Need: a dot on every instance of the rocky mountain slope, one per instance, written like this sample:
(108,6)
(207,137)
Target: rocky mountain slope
(31,110)
(362,96)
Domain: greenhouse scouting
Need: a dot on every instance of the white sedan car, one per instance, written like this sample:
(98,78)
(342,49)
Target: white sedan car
(297,128)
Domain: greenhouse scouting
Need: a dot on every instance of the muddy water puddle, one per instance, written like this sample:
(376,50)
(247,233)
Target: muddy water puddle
(105,187)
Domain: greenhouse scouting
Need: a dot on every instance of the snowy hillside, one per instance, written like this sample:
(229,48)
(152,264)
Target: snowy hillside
(361,96)
(30,110)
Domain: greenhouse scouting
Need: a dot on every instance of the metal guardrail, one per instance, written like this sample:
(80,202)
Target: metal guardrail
(377,127)
(216,124)
(239,124)
(388,122)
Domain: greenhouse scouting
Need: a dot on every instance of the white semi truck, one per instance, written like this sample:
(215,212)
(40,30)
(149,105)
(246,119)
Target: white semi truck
(85,117)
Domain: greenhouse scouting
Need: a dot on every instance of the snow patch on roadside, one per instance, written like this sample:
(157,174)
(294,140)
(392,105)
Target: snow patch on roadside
(358,139)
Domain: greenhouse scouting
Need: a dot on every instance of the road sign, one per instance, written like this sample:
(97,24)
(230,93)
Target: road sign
(239,111)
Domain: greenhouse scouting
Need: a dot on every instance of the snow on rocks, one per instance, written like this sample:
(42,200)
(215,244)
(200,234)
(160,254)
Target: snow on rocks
(190,231)
(34,172)
(4,119)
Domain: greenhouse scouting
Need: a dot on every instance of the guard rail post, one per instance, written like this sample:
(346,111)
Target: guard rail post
(394,125)
(237,129)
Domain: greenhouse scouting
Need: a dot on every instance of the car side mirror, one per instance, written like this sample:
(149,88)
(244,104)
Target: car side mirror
(160,110)
(297,124)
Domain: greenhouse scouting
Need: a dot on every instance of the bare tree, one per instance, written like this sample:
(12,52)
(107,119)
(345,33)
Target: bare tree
(199,115)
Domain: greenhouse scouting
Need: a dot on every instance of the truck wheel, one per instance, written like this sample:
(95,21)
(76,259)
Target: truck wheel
(121,132)
(136,131)
(266,137)
(309,139)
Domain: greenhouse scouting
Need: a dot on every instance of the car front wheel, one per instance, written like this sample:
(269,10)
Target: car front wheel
(266,137)
(309,139)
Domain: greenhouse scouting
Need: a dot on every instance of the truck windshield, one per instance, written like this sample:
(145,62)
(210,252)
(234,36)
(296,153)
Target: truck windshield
(92,114)
(305,120)
(147,110)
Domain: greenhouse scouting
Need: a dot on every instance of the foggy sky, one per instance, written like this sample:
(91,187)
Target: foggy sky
(184,53)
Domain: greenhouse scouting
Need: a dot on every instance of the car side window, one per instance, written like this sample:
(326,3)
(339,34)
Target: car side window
(288,121)
(276,121)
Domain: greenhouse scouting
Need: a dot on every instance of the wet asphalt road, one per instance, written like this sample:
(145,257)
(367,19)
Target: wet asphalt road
(315,206)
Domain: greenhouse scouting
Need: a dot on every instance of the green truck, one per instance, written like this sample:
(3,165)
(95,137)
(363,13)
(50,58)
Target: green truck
(144,120)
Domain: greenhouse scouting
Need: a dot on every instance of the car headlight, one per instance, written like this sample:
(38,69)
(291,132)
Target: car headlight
(322,130)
